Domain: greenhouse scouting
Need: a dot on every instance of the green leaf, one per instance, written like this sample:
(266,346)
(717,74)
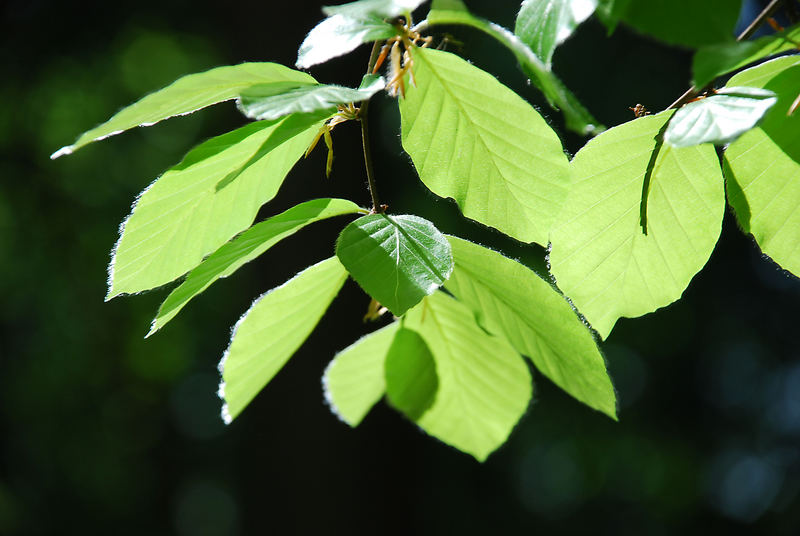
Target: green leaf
(484,386)
(684,22)
(448,5)
(338,35)
(397,260)
(410,369)
(246,247)
(720,118)
(511,301)
(544,24)
(475,140)
(611,11)
(271,101)
(600,257)
(763,166)
(188,94)
(558,96)
(713,61)
(354,380)
(272,330)
(198,205)
(374,8)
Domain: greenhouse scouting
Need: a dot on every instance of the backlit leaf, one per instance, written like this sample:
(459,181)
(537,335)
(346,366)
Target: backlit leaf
(189,94)
(272,330)
(338,35)
(720,118)
(511,301)
(763,166)
(354,380)
(600,257)
(484,386)
(544,24)
(246,247)
(201,203)
(397,260)
(475,140)
(374,8)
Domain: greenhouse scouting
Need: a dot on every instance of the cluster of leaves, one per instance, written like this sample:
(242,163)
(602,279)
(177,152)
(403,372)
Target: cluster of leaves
(629,220)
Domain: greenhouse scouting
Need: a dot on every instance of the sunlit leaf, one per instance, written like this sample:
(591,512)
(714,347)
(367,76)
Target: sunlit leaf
(600,257)
(354,380)
(763,166)
(189,94)
(374,8)
(338,35)
(270,332)
(712,61)
(201,203)
(397,260)
(511,301)
(410,371)
(246,247)
(271,101)
(483,384)
(475,140)
(544,24)
(720,118)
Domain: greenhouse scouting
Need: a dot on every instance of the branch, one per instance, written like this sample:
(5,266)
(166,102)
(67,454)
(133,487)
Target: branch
(363,118)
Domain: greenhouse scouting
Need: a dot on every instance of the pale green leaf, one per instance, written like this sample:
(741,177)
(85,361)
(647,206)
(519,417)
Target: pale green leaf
(763,166)
(600,257)
(410,370)
(338,35)
(189,94)
(272,330)
(271,101)
(475,140)
(397,260)
(484,386)
(246,247)
(544,24)
(720,118)
(374,8)
(201,203)
(511,301)
(712,61)
(683,22)
(354,380)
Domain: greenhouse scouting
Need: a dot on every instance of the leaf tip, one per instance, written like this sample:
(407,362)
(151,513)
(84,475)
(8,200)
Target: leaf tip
(69,149)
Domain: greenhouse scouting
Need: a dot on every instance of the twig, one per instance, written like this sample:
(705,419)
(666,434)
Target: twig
(363,117)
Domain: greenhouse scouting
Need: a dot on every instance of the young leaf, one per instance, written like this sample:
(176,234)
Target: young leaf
(354,380)
(684,22)
(374,8)
(511,301)
(712,61)
(448,5)
(484,386)
(720,118)
(338,35)
(271,101)
(198,205)
(398,260)
(410,370)
(475,140)
(246,247)
(274,327)
(763,166)
(544,24)
(600,257)
(189,94)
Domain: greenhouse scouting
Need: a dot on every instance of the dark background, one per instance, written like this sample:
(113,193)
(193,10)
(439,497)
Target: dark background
(103,432)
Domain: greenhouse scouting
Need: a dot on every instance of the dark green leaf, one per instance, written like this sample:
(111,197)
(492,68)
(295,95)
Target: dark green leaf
(271,101)
(274,327)
(410,370)
(720,118)
(338,35)
(511,301)
(397,260)
(246,247)
(544,24)
(189,94)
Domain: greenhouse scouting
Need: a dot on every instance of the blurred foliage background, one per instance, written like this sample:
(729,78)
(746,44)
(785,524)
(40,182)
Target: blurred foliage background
(106,433)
